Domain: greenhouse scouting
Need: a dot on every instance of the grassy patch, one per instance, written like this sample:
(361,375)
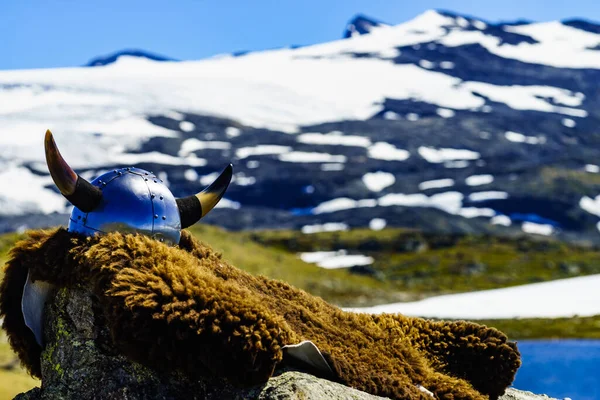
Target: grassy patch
(548,328)
(431,264)
(13,379)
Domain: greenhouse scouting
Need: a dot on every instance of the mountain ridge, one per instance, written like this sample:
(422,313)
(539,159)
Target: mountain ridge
(483,128)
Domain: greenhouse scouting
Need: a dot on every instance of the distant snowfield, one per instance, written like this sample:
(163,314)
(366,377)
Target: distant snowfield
(556,299)
(99,114)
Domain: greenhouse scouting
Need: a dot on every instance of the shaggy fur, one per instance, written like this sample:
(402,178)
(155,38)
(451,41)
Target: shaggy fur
(185,308)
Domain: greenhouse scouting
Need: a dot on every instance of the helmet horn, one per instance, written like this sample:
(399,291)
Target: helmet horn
(192,208)
(77,190)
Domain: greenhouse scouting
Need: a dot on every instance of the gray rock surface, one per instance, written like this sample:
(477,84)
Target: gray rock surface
(79,363)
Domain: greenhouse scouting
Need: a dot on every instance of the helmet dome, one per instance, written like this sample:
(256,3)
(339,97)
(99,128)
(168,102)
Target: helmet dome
(130,200)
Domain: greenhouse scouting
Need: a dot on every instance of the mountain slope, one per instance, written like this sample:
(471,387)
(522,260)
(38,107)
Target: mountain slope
(484,127)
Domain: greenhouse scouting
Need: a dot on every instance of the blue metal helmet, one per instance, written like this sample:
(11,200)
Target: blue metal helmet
(130,200)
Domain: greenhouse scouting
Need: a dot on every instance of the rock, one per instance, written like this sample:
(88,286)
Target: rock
(514,394)
(79,362)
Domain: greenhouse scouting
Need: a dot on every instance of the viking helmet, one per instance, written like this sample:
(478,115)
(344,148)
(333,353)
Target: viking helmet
(130,200)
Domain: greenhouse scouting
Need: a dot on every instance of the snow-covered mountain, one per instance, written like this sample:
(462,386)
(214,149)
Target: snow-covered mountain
(445,122)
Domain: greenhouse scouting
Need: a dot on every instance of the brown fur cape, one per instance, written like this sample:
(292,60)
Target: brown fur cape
(186,308)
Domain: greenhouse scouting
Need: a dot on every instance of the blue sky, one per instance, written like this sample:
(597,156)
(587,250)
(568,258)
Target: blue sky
(55,33)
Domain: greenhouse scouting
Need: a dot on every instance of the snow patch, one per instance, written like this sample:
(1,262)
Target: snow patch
(437,183)
(478,180)
(261,150)
(538,229)
(377,224)
(556,299)
(520,138)
(191,145)
(388,152)
(335,259)
(186,126)
(334,138)
(328,227)
(311,157)
(445,112)
(501,220)
(592,168)
(436,156)
(377,181)
(489,195)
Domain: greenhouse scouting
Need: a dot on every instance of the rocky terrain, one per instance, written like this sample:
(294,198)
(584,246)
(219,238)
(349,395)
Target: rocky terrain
(445,123)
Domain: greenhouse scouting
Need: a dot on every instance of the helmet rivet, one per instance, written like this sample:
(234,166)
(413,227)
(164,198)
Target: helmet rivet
(128,169)
(146,179)
(161,197)
(152,196)
(155,215)
(119,173)
(155,181)
(145,173)
(164,217)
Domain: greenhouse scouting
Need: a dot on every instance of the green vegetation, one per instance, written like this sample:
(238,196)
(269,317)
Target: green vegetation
(548,328)
(430,264)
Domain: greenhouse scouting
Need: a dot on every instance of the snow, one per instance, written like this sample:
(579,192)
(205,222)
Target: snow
(456,164)
(426,64)
(252,164)
(559,45)
(377,181)
(388,152)
(479,24)
(191,145)
(560,298)
(332,167)
(157,158)
(478,180)
(261,150)
(328,227)
(489,195)
(377,224)
(342,203)
(186,126)
(390,115)
(25,192)
(473,212)
(242,180)
(433,155)
(450,202)
(538,229)
(206,180)
(520,138)
(174,115)
(190,175)
(530,97)
(334,138)
(335,259)
(592,168)
(99,115)
(437,183)
(445,112)
(590,205)
(568,122)
(501,220)
(226,203)
(311,157)
(232,132)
